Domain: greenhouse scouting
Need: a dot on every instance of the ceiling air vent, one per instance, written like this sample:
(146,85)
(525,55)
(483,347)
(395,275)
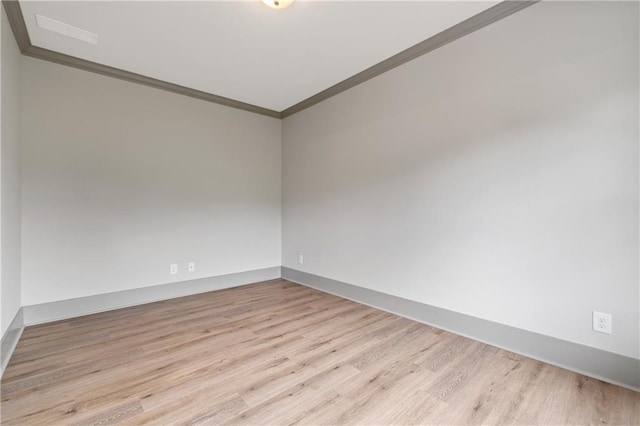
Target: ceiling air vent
(66,29)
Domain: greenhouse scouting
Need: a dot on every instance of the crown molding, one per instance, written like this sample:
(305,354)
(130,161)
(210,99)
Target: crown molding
(19,28)
(61,58)
(16,22)
(476,22)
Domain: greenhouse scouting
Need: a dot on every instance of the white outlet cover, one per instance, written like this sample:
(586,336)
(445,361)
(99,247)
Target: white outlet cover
(173,268)
(192,266)
(300,259)
(602,322)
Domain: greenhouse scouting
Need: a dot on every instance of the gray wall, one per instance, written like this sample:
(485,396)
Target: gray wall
(496,176)
(9,176)
(121,180)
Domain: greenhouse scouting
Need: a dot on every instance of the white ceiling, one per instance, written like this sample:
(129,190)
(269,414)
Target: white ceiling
(244,50)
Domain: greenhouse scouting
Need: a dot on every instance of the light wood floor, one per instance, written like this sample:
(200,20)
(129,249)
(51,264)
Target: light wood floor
(280,353)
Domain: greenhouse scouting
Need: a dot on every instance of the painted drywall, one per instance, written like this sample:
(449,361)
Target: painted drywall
(10,176)
(496,176)
(122,180)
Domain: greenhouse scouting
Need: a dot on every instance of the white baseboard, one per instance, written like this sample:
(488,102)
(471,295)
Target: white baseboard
(10,340)
(63,309)
(606,366)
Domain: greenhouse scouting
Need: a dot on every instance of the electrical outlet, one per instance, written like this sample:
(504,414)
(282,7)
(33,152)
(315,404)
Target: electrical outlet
(300,259)
(192,266)
(173,268)
(602,322)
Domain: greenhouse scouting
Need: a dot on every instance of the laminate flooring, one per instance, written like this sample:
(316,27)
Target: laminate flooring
(278,353)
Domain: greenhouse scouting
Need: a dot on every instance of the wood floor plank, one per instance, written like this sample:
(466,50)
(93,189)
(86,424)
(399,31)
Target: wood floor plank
(280,353)
(293,404)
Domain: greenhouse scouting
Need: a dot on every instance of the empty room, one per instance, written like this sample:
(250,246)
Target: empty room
(320,212)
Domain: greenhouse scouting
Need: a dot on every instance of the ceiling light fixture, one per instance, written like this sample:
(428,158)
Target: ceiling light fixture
(278,4)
